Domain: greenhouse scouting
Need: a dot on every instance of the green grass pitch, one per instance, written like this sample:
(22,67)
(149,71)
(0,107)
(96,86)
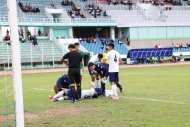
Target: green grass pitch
(153,97)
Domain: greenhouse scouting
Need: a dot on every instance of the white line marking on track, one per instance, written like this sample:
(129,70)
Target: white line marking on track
(155,100)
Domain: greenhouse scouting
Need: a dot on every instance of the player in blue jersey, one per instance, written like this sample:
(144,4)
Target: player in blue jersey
(100,69)
(61,83)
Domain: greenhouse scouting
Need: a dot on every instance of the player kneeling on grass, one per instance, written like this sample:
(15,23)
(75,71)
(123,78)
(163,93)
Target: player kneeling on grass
(100,69)
(61,83)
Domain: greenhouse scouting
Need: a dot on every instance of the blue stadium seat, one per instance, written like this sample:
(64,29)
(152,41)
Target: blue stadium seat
(96,47)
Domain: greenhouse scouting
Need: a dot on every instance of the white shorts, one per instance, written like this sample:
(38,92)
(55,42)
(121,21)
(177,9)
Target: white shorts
(87,93)
(81,72)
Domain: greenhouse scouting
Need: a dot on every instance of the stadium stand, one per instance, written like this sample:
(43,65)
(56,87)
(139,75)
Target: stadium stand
(98,46)
(137,23)
(45,54)
(50,50)
(183,49)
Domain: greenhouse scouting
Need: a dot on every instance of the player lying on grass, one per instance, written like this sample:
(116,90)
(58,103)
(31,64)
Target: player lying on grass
(62,82)
(65,94)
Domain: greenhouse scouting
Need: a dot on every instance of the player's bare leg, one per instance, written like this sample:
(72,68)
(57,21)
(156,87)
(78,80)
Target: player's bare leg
(58,96)
(93,78)
(98,83)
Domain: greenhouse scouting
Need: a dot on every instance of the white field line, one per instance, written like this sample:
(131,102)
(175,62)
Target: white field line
(5,79)
(155,100)
(134,98)
(39,89)
(129,73)
(154,74)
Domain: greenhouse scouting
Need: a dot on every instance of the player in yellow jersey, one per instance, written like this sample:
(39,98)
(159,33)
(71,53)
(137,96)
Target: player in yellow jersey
(104,54)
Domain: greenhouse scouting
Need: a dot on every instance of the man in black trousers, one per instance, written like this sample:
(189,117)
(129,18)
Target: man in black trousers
(74,60)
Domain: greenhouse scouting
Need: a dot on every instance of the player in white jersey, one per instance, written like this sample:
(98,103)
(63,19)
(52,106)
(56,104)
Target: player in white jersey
(93,59)
(114,60)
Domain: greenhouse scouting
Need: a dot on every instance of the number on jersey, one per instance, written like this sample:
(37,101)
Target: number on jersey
(115,59)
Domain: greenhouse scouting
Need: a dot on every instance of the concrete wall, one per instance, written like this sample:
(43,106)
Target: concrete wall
(153,33)
(152,43)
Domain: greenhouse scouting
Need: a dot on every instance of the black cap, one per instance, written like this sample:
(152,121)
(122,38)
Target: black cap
(90,64)
(100,56)
(76,44)
(71,46)
(111,45)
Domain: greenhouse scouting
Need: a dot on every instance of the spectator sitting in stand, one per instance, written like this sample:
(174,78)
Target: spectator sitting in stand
(28,34)
(34,40)
(188,44)
(105,14)
(39,32)
(93,10)
(52,5)
(66,3)
(28,8)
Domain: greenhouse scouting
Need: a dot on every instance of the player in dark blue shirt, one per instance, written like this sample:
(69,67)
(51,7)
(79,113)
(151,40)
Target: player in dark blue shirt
(61,83)
(102,69)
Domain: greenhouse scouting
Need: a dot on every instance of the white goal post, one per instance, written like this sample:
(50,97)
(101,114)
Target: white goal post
(16,62)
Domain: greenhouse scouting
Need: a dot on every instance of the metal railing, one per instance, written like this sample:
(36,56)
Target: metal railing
(42,56)
(59,20)
(117,7)
(179,8)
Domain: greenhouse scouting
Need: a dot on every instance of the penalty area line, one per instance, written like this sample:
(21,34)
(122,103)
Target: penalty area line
(134,98)
(39,89)
(155,100)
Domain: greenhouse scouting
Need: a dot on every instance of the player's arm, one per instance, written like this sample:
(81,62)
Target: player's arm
(104,60)
(82,62)
(120,60)
(63,60)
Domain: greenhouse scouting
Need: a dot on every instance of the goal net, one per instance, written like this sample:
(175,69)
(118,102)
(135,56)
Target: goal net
(7,105)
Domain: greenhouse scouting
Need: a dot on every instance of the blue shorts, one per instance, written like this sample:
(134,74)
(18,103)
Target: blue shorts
(104,73)
(69,95)
(98,91)
(113,76)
